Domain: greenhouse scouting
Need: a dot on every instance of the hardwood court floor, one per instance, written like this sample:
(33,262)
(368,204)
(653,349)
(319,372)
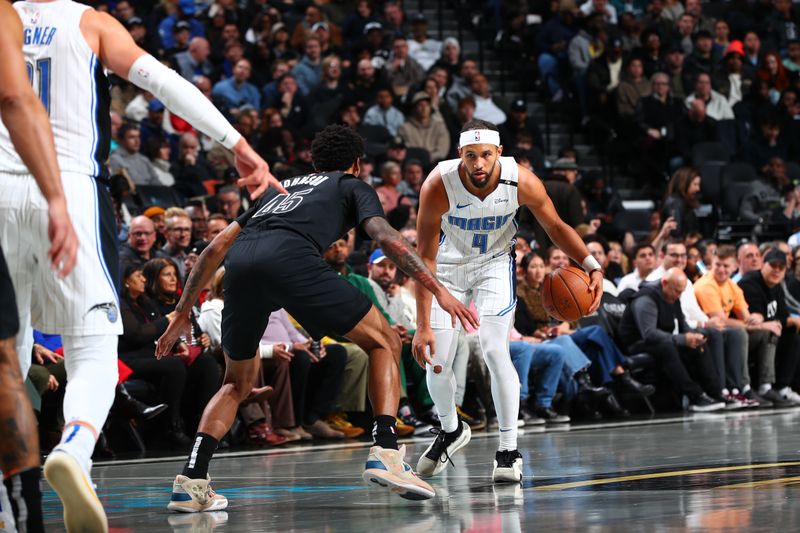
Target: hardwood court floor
(738,471)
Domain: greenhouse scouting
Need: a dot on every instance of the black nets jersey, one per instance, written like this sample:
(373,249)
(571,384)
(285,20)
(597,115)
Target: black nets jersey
(320,207)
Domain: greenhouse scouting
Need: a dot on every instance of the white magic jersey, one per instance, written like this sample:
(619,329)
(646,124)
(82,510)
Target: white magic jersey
(475,230)
(71,83)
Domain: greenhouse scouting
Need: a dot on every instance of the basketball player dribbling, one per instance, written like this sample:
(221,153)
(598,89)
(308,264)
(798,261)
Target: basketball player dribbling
(274,260)
(26,120)
(465,233)
(67,47)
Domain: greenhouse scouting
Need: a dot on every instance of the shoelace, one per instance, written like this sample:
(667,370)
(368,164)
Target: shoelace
(506,458)
(441,441)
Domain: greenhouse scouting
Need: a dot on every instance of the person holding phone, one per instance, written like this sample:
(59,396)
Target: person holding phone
(649,325)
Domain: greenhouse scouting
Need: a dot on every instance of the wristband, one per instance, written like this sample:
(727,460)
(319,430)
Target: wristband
(590,264)
(265,351)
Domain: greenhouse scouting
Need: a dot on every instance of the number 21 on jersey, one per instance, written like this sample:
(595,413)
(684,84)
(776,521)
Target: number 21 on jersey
(42,75)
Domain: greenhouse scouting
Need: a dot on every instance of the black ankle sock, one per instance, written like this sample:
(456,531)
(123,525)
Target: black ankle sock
(457,432)
(27,485)
(203,449)
(384,433)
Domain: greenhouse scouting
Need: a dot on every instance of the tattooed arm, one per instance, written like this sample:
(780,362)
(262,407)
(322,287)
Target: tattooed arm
(402,254)
(201,275)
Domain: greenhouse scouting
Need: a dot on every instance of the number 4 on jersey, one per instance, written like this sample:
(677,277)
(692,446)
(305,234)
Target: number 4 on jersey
(479,241)
(283,203)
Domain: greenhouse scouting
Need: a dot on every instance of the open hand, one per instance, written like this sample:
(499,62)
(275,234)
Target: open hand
(254,171)
(457,310)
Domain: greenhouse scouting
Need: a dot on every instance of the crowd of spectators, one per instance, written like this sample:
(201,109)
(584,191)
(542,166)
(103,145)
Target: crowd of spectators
(652,83)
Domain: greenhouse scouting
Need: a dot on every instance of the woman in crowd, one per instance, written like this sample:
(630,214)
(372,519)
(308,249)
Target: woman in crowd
(681,200)
(607,360)
(179,382)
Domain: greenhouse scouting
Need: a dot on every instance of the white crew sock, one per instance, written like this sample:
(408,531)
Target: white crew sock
(442,386)
(91,364)
(493,334)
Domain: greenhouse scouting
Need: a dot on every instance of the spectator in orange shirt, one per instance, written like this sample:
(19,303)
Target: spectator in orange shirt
(719,296)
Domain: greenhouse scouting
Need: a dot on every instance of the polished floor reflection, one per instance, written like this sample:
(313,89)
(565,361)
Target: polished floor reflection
(732,472)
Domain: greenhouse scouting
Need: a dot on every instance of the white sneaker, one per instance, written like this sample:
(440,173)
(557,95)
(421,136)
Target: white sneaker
(195,496)
(387,468)
(788,394)
(438,453)
(507,467)
(82,509)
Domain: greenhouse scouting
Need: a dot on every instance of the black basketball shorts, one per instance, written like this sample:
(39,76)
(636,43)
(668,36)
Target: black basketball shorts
(9,318)
(277,270)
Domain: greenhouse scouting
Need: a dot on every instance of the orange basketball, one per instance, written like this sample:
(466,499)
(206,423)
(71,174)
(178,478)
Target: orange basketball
(566,295)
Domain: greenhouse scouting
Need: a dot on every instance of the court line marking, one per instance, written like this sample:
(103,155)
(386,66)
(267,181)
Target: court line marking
(760,413)
(658,475)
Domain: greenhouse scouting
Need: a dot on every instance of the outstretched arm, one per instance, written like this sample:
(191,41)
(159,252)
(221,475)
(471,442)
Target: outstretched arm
(30,132)
(201,275)
(533,194)
(118,51)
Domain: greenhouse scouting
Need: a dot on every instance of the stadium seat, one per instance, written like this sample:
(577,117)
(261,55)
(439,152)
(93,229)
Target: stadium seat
(711,182)
(710,151)
(732,195)
(793,171)
(738,173)
(637,221)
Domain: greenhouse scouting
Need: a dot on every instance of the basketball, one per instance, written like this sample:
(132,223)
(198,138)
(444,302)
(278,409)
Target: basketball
(566,295)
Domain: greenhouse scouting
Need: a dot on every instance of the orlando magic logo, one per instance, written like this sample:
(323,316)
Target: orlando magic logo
(109,307)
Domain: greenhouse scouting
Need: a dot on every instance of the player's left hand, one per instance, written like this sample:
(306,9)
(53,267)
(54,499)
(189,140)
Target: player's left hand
(254,171)
(63,252)
(596,286)
(179,325)
(457,310)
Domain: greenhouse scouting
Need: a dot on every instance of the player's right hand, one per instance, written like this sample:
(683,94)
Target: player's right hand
(457,310)
(179,325)
(63,251)
(254,171)
(423,347)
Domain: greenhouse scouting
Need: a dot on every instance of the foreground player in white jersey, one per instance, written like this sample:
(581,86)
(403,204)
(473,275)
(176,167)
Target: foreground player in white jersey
(26,120)
(66,47)
(465,233)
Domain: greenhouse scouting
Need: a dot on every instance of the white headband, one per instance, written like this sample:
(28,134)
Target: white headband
(478,137)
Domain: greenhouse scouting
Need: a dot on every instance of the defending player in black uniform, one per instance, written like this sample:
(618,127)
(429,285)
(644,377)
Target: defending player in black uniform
(275,261)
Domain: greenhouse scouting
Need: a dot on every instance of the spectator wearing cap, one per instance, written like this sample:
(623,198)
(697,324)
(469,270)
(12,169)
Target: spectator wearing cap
(128,157)
(382,277)
(354,24)
(729,78)
(603,7)
(325,32)
(766,303)
(603,77)
(136,27)
(374,44)
(181,34)
(152,124)
(551,45)
(402,70)
(279,45)
(383,113)
(717,106)
(422,130)
(140,246)
(703,58)
(236,91)
(487,106)
(450,59)
(424,50)
(308,72)
(194,61)
(185,11)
